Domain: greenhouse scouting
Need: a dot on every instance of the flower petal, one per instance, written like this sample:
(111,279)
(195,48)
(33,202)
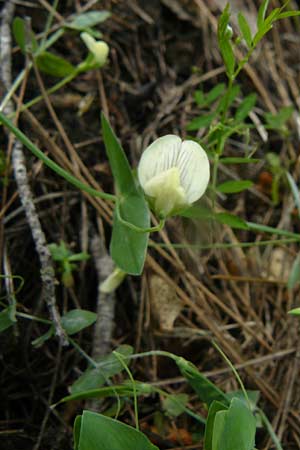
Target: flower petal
(194,170)
(166,191)
(160,156)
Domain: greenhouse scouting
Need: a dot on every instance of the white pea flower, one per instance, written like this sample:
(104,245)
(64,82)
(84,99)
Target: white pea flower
(173,174)
(99,49)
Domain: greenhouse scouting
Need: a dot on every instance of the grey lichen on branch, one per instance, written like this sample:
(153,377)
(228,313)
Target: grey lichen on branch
(24,191)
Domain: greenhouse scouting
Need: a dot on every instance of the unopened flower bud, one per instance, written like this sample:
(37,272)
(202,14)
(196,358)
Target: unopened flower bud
(99,49)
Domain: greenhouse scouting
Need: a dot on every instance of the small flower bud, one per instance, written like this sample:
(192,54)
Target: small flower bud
(99,49)
(113,281)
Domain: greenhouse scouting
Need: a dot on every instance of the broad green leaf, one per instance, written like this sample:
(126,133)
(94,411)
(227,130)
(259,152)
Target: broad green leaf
(6,319)
(103,433)
(253,397)
(77,319)
(213,409)
(262,13)
(202,121)
(175,404)
(128,247)
(294,276)
(197,212)
(76,431)
(88,19)
(205,389)
(238,160)
(231,220)
(21,36)
(245,107)
(232,187)
(54,65)
(245,29)
(235,428)
(107,366)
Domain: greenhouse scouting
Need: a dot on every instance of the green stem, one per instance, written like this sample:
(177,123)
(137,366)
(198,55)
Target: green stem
(136,413)
(55,167)
(134,227)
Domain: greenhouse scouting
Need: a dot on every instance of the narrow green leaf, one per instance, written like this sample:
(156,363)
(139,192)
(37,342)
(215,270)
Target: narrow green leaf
(88,19)
(5,319)
(262,13)
(205,389)
(295,312)
(27,43)
(245,107)
(238,160)
(228,101)
(103,433)
(77,319)
(38,342)
(107,366)
(213,409)
(228,56)
(214,93)
(231,220)
(266,229)
(53,166)
(233,187)
(245,29)
(54,65)
(294,276)
(202,121)
(286,14)
(295,190)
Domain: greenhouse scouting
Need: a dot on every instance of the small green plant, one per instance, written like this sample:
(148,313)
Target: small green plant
(66,261)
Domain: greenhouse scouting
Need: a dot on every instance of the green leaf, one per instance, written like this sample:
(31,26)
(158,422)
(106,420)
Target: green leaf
(88,19)
(202,121)
(43,338)
(213,409)
(214,93)
(175,404)
(197,212)
(277,121)
(295,312)
(103,433)
(76,431)
(128,247)
(224,41)
(245,29)
(253,397)
(205,389)
(20,33)
(54,65)
(6,319)
(228,101)
(232,187)
(262,13)
(245,107)
(231,220)
(295,190)
(107,366)
(286,14)
(79,257)
(124,390)
(238,160)
(294,276)
(77,319)
(235,428)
